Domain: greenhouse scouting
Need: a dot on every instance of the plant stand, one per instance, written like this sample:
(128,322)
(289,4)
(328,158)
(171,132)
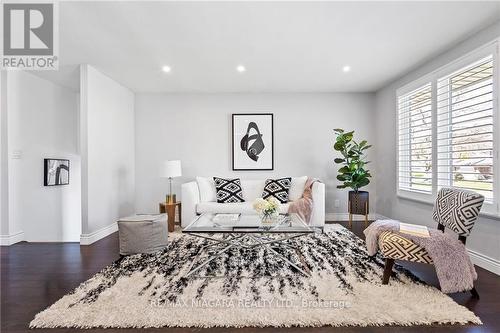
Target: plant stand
(358,204)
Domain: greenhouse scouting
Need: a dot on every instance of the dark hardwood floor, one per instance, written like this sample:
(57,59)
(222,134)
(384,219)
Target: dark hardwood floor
(35,275)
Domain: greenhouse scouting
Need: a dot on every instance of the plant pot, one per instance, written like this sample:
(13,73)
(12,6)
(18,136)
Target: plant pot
(359,202)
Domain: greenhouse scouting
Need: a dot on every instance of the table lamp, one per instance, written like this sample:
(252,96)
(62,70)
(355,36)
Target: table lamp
(171,169)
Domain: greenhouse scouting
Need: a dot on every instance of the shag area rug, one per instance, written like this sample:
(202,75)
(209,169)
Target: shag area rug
(256,289)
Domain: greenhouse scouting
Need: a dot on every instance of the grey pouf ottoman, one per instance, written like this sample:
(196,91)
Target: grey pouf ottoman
(142,233)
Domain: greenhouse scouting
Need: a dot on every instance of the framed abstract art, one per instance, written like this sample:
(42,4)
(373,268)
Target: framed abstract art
(56,172)
(253,141)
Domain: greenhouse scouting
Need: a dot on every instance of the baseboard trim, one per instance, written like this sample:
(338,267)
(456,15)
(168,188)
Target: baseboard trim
(7,240)
(345,217)
(87,239)
(485,262)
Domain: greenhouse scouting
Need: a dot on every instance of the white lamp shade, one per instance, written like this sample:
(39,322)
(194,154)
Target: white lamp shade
(171,169)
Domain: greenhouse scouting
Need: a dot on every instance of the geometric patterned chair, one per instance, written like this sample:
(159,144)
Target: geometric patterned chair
(454,209)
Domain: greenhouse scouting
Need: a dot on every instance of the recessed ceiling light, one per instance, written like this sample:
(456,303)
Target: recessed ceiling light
(166,69)
(346,69)
(241,68)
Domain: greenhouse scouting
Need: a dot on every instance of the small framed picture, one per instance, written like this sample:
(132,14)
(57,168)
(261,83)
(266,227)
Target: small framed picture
(56,172)
(253,141)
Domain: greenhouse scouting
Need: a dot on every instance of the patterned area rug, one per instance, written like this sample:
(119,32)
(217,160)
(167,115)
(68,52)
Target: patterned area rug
(255,289)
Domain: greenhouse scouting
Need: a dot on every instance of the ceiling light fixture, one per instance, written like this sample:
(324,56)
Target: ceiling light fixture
(346,69)
(166,69)
(241,68)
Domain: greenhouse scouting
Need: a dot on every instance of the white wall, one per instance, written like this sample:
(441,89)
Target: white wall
(4,175)
(485,238)
(107,148)
(196,129)
(41,126)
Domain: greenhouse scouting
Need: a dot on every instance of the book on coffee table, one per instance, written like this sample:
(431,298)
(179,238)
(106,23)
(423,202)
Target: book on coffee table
(226,219)
(414,229)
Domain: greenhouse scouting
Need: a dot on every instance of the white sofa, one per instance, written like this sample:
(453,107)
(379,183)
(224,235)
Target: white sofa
(199,197)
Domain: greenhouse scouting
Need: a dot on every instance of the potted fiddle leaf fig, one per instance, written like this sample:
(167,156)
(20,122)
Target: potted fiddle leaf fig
(353,173)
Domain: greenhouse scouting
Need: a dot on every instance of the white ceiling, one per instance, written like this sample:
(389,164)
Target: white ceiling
(285,46)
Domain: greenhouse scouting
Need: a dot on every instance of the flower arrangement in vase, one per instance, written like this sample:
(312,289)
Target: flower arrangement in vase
(267,209)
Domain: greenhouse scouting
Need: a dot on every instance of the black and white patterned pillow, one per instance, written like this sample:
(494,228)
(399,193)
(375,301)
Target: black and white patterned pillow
(277,188)
(228,190)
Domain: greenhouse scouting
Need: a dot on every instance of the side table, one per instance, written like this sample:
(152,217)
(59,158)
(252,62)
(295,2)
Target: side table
(169,208)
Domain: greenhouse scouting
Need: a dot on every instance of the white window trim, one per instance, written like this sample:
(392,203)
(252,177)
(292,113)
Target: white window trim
(491,210)
(430,200)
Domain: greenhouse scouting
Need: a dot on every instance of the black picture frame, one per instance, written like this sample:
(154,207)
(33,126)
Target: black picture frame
(62,164)
(234,147)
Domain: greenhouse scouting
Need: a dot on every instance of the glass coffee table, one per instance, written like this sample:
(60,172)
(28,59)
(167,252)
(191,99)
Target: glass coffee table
(250,233)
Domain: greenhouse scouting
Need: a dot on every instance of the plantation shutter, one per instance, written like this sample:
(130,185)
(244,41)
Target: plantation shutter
(415,140)
(465,128)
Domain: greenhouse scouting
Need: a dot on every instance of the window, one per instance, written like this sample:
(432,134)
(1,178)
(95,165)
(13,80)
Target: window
(465,129)
(415,140)
(448,131)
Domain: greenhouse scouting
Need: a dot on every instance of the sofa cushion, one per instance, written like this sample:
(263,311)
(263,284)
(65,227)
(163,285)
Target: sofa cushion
(232,208)
(297,189)
(228,190)
(252,189)
(206,186)
(278,189)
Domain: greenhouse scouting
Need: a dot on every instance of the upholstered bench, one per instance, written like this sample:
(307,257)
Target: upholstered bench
(455,209)
(142,233)
(395,246)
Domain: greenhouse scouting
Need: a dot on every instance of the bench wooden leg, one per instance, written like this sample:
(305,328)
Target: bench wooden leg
(474,293)
(387,270)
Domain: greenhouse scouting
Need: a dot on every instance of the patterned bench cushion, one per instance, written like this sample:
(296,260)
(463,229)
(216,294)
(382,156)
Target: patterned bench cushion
(395,246)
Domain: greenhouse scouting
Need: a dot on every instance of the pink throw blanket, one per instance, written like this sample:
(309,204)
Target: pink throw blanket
(454,268)
(303,206)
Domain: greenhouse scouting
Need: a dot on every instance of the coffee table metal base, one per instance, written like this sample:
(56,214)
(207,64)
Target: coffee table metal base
(234,240)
